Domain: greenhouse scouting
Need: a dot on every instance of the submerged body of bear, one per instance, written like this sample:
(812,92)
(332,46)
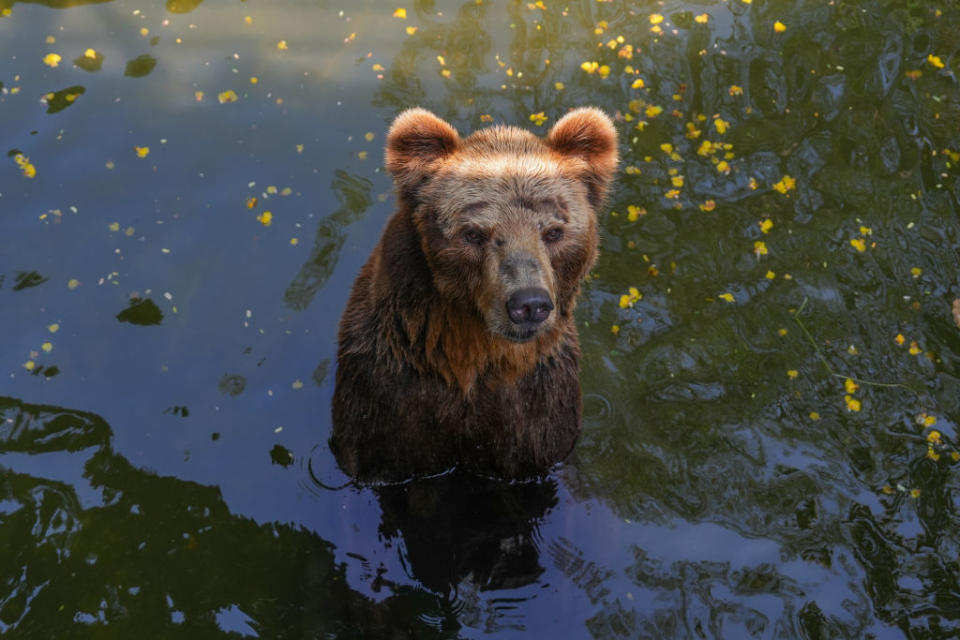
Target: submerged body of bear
(458,346)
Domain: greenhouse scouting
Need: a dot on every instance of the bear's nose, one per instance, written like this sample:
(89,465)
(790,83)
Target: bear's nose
(529,306)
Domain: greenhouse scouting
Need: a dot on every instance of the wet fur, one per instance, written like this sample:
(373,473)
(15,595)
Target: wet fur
(426,379)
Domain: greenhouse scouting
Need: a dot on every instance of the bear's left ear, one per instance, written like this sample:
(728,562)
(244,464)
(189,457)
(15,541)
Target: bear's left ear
(416,139)
(587,133)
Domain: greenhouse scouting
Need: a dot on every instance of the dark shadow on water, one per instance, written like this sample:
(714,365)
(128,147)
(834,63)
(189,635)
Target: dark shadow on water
(124,551)
(458,527)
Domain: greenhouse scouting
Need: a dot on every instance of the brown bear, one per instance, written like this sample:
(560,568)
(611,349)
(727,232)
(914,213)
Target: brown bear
(458,346)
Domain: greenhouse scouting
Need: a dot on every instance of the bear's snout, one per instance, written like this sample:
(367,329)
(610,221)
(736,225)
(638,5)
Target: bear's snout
(529,307)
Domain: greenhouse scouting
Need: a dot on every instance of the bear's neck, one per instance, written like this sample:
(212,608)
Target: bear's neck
(441,337)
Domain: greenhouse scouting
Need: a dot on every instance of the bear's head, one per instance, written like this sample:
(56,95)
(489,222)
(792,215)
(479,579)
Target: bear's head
(507,220)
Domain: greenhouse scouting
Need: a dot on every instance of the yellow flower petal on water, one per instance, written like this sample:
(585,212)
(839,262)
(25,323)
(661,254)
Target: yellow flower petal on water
(858,244)
(766,225)
(702,18)
(362,155)
(90,53)
(624,301)
(779,27)
(916,272)
(615,329)
(294,241)
(29,365)
(52,59)
(929,421)
(677,181)
(53,328)
(932,59)
(272,189)
(852,403)
(559,86)
(198,96)
(792,374)
(770,275)
(934,437)
(114,226)
(850,386)
(782,332)
(637,84)
(590,67)
(282,45)
(265,218)
(227,96)
(786,184)
(814,416)
(656,18)
(915,350)
(721,125)
(538,118)
(603,71)
(723,166)
(760,248)
(73,283)
(653,111)
(142,152)
(248,19)
(914,493)
(634,212)
(709,205)
(899,339)
(47,346)
(727,296)
(411,30)
(400,13)
(932,454)
(666,147)
(734,90)
(635,295)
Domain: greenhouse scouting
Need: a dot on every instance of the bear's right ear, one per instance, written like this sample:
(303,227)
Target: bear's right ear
(416,139)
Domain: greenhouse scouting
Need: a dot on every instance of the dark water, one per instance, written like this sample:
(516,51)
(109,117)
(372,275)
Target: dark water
(166,356)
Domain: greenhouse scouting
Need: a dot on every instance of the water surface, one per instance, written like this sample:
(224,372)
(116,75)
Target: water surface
(770,365)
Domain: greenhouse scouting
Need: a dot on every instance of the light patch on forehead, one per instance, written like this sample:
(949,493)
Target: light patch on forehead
(487,190)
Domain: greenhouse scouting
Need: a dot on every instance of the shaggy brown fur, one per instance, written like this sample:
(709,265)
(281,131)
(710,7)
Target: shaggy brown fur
(432,372)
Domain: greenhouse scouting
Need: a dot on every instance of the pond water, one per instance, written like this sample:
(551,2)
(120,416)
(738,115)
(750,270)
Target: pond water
(771,367)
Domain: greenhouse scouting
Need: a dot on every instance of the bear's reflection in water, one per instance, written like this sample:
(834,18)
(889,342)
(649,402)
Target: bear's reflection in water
(460,527)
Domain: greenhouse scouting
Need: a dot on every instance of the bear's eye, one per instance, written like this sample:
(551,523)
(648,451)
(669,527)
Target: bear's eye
(474,237)
(553,235)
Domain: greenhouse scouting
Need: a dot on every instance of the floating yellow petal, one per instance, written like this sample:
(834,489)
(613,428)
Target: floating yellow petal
(282,45)
(792,374)
(850,386)
(701,19)
(47,346)
(53,328)
(779,27)
(265,218)
(90,53)
(852,403)
(760,248)
(932,59)
(411,30)
(786,184)
(73,283)
(400,13)
(142,152)
(656,18)
(52,59)
(766,225)
(538,118)
(858,244)
(726,296)
(227,96)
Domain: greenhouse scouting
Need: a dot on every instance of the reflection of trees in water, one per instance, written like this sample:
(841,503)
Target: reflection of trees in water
(353,193)
(133,553)
(706,427)
(163,556)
